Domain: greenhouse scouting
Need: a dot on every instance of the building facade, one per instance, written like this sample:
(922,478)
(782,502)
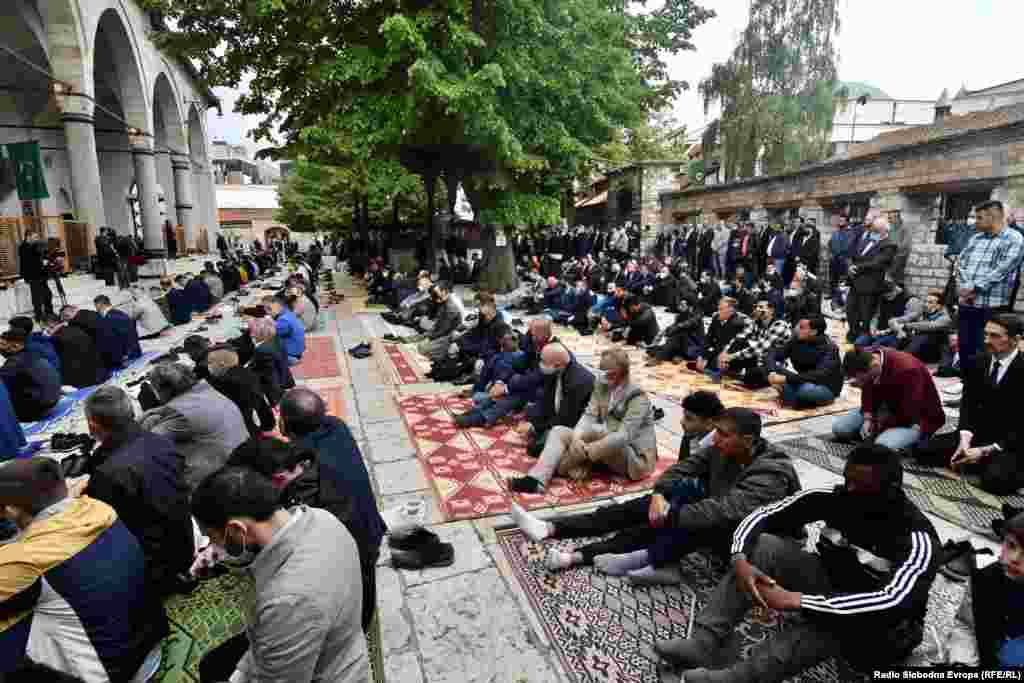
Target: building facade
(121,126)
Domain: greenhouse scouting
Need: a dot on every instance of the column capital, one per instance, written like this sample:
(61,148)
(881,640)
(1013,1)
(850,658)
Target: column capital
(143,150)
(75,105)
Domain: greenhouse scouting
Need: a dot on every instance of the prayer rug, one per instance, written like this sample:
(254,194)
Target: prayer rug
(320,359)
(359,305)
(200,622)
(407,365)
(603,628)
(941,492)
(468,468)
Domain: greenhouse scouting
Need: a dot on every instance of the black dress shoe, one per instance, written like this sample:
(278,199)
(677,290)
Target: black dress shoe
(433,555)
(525,485)
(415,538)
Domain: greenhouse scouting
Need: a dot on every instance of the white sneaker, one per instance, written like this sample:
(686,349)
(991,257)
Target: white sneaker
(954,390)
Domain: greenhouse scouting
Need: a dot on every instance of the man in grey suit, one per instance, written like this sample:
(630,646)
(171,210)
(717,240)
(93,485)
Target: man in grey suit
(616,431)
(874,255)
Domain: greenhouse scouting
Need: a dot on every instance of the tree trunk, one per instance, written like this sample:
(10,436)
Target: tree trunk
(364,217)
(498,271)
(430,184)
(451,180)
(394,212)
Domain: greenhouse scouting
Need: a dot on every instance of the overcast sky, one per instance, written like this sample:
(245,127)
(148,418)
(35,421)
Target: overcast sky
(911,49)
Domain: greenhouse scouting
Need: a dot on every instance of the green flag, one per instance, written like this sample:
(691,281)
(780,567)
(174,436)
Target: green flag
(28,167)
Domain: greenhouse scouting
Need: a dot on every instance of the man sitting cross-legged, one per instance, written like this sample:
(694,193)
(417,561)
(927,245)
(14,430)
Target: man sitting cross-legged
(567,389)
(632,518)
(748,361)
(701,500)
(616,431)
(728,332)
(817,375)
(864,593)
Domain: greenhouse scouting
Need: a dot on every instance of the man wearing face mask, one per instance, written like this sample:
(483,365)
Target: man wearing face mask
(616,431)
(567,389)
(684,338)
(580,302)
(303,617)
(643,325)
(862,595)
(446,322)
(899,402)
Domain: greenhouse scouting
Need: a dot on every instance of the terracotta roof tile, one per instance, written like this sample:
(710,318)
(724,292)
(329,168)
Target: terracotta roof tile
(949,126)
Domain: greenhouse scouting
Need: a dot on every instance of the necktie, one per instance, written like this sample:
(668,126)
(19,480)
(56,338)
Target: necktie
(558,395)
(995,372)
(867,248)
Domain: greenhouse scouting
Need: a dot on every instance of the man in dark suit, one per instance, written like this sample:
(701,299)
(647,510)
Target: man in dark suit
(84,319)
(567,389)
(988,441)
(80,362)
(869,264)
(269,361)
(242,386)
(33,270)
(33,384)
(116,337)
(776,248)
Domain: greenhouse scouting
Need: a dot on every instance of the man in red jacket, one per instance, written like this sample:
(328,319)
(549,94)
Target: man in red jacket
(899,402)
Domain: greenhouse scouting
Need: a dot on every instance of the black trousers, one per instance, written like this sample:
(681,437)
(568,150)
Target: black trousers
(42,297)
(629,519)
(860,309)
(1001,473)
(677,345)
(32,411)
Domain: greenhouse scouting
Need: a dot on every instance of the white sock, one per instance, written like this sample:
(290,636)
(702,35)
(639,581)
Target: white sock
(556,560)
(620,565)
(537,529)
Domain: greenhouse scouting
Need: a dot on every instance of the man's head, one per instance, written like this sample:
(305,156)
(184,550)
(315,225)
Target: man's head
(440,292)
(262,329)
(540,330)
(235,506)
(277,460)
(109,410)
(862,366)
(278,305)
(27,487)
(170,380)
(51,323)
(613,368)
(1002,334)
(873,471)
(811,328)
(741,272)
(197,347)
(726,308)
(764,311)
(705,277)
(220,360)
(700,410)
(68,313)
(736,432)
(610,289)
(509,341)
(1012,554)
(990,216)
(893,290)
(880,224)
(552,282)
(933,302)
(954,342)
(302,412)
(769,269)
(13,341)
(553,359)
(22,322)
(633,304)
(423,283)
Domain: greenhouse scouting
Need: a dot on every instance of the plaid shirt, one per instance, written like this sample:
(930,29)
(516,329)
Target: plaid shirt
(765,338)
(989,265)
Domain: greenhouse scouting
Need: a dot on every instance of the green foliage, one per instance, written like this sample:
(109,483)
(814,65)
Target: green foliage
(536,84)
(778,91)
(514,209)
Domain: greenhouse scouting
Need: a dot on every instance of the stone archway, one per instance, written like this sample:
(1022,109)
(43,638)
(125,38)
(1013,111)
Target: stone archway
(173,166)
(203,197)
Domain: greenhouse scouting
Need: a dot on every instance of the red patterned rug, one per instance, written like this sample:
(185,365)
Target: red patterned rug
(468,467)
(320,360)
(405,363)
(603,628)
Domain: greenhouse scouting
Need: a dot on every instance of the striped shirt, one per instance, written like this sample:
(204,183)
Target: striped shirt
(989,265)
(763,339)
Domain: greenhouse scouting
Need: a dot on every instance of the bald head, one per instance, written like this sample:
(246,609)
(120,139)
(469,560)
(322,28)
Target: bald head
(540,329)
(555,356)
(303,411)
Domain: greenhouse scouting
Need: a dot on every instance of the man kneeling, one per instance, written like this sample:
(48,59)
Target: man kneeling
(616,431)
(863,594)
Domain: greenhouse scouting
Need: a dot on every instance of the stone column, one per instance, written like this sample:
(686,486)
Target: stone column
(758,215)
(83,161)
(144,159)
(183,202)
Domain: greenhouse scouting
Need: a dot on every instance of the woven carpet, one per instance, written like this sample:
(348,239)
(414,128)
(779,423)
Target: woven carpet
(319,360)
(406,364)
(602,628)
(467,468)
(938,491)
(211,615)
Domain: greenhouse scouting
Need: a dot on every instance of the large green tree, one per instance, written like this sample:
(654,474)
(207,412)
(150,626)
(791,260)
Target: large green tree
(520,90)
(778,89)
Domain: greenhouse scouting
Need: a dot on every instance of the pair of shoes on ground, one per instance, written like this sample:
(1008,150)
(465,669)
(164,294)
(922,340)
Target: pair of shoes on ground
(469,419)
(361,350)
(419,548)
(1009,512)
(61,442)
(958,561)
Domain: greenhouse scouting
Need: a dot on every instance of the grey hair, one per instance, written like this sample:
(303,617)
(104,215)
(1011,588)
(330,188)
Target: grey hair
(220,361)
(619,360)
(170,380)
(111,407)
(262,328)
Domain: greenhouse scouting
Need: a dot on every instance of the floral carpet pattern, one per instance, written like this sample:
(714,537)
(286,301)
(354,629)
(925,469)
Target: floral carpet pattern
(468,468)
(408,366)
(938,491)
(602,628)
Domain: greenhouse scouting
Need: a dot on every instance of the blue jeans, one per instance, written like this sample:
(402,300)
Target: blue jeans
(493,410)
(881,340)
(671,544)
(848,427)
(806,395)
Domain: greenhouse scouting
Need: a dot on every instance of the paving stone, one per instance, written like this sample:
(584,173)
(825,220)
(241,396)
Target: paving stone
(470,630)
(470,554)
(403,668)
(392,450)
(386,431)
(395,628)
(399,477)
(377,407)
